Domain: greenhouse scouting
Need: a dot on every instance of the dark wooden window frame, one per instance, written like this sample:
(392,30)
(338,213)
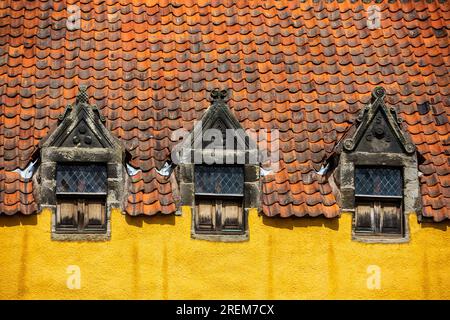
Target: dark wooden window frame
(250,198)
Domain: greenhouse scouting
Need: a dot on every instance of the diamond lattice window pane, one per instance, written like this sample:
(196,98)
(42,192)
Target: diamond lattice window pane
(72,178)
(227,180)
(378,181)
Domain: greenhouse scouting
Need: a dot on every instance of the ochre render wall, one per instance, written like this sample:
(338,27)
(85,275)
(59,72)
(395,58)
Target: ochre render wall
(155,258)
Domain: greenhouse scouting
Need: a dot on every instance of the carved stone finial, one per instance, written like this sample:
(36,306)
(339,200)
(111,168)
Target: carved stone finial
(82,96)
(66,112)
(378,93)
(410,148)
(217,94)
(349,144)
(362,114)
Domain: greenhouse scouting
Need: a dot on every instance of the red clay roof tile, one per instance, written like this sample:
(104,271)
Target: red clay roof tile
(301,67)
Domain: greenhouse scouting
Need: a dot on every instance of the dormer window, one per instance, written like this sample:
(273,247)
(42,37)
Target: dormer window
(218,174)
(81,173)
(377,174)
(81,191)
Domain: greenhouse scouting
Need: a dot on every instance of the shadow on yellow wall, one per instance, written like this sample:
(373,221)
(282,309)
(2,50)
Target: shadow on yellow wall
(443,225)
(304,222)
(139,221)
(19,220)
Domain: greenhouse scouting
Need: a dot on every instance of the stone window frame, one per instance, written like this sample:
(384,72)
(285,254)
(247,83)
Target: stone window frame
(408,164)
(250,200)
(51,156)
(185,169)
(113,156)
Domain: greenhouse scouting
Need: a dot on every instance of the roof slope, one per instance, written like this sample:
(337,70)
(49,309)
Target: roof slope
(303,68)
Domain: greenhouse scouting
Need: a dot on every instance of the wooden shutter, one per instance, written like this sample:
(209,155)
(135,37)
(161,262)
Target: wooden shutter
(379,217)
(80,214)
(232,215)
(205,215)
(67,214)
(365,217)
(217,215)
(95,213)
(390,219)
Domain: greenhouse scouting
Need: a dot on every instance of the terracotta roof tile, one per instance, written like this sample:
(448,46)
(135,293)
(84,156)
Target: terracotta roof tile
(301,67)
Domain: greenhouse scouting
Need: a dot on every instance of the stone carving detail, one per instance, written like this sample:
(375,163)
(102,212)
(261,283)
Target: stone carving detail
(83,136)
(379,137)
(217,94)
(81,125)
(378,129)
(82,96)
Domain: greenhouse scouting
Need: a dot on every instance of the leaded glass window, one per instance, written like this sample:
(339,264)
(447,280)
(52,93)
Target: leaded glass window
(81,198)
(79,178)
(371,181)
(378,192)
(219,180)
(219,191)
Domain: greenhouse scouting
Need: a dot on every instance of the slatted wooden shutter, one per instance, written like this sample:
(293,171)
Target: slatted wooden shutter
(205,217)
(365,217)
(67,214)
(81,214)
(390,218)
(94,213)
(231,215)
(219,215)
(379,217)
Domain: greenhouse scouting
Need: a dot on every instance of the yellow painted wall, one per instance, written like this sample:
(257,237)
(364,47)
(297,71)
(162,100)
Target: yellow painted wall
(155,258)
